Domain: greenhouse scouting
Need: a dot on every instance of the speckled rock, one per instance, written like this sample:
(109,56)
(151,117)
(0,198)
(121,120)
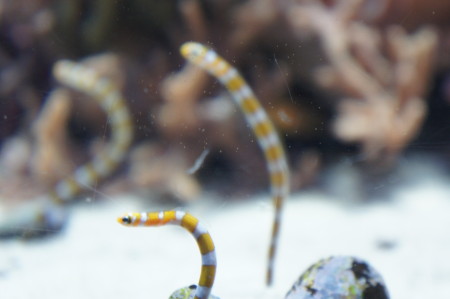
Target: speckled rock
(340,277)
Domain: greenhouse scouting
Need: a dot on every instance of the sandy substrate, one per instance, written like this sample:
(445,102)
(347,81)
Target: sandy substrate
(407,239)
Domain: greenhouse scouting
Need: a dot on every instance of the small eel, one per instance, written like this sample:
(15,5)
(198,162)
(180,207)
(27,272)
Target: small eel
(47,213)
(201,235)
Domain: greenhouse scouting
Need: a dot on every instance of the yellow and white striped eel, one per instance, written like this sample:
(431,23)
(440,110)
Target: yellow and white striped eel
(260,123)
(104,91)
(46,215)
(204,242)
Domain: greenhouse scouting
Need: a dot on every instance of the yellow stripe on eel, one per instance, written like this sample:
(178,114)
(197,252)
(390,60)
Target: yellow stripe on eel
(109,97)
(260,123)
(191,224)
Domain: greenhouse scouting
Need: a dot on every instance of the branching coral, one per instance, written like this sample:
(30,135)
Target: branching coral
(51,158)
(164,171)
(412,13)
(252,19)
(383,76)
(181,92)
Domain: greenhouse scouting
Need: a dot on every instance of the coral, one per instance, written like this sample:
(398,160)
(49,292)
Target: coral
(15,180)
(418,12)
(181,93)
(52,158)
(377,70)
(252,19)
(194,18)
(164,171)
(383,106)
(40,158)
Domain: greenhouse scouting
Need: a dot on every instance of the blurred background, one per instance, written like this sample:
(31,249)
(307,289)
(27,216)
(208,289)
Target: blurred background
(359,92)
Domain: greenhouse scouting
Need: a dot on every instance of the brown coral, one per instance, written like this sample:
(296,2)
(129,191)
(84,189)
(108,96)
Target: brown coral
(51,159)
(155,168)
(410,13)
(383,75)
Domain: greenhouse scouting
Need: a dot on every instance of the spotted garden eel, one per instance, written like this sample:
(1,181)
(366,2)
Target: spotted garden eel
(204,242)
(261,125)
(47,215)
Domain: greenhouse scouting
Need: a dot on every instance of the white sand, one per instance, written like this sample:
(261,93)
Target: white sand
(97,258)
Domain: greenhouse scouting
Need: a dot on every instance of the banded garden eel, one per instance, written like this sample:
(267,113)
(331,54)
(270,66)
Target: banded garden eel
(261,125)
(110,99)
(334,277)
(204,242)
(47,215)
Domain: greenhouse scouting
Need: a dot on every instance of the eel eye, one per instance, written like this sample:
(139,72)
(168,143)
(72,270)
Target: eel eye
(126,219)
(196,52)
